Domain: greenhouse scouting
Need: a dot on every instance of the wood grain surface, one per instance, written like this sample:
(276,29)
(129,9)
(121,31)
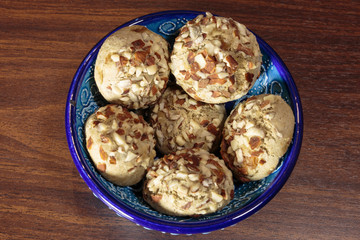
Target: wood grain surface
(42,44)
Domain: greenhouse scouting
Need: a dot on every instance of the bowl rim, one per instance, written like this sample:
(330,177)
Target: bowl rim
(150,222)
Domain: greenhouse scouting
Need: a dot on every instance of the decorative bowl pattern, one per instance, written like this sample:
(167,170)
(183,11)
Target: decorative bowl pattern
(84,98)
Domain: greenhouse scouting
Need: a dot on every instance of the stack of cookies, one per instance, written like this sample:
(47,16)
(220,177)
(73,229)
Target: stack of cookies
(214,60)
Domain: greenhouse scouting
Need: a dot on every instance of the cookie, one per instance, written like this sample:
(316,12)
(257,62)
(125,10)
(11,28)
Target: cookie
(181,122)
(256,135)
(121,144)
(189,182)
(215,59)
(131,68)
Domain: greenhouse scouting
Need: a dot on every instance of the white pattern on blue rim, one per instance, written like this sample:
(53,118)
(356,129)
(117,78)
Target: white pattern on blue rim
(84,98)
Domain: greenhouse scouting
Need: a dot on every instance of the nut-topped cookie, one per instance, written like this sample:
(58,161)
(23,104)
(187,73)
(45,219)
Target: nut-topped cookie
(131,68)
(181,122)
(256,135)
(215,59)
(188,182)
(121,144)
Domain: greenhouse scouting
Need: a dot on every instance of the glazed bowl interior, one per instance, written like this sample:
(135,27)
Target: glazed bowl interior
(84,98)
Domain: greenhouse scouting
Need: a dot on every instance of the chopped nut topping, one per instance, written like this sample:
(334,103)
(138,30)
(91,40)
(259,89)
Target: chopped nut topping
(203,83)
(217,81)
(100,116)
(190,90)
(246,50)
(195,77)
(150,60)
(199,145)
(231,89)
(232,194)
(195,67)
(186,206)
(138,44)
(232,80)
(188,44)
(187,76)
(154,90)
(144,137)
(101,167)
(180,101)
(264,103)
(249,77)
(120,131)
(191,57)
(137,134)
(157,55)
(134,146)
(204,122)
(112,160)
(115,57)
(140,56)
(225,93)
(232,62)
(257,153)
(216,94)
(104,139)
(213,76)
(262,161)
(254,142)
(156,198)
(89,143)
(140,30)
(103,154)
(123,61)
(209,67)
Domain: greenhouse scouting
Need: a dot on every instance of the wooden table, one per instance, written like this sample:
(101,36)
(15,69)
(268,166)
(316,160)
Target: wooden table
(41,46)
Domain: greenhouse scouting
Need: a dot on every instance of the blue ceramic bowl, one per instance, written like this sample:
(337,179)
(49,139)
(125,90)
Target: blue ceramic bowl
(84,98)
